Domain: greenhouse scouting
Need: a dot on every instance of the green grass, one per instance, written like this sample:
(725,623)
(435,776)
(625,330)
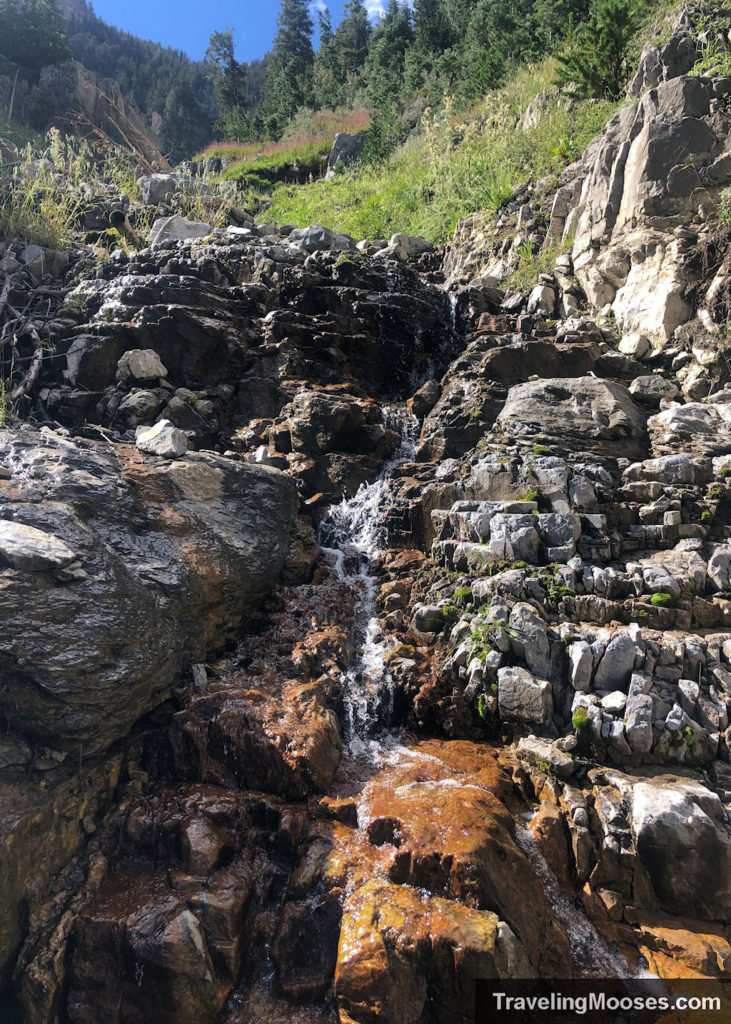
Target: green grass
(307,144)
(457,164)
(19,134)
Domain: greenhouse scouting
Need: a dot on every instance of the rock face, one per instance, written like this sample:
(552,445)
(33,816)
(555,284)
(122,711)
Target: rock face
(490,714)
(634,190)
(398,950)
(109,549)
(583,412)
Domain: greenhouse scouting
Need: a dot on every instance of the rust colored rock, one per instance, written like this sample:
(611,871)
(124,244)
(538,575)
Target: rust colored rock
(399,948)
(168,972)
(288,744)
(447,831)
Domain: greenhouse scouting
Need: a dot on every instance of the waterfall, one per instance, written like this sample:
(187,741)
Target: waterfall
(352,536)
(592,955)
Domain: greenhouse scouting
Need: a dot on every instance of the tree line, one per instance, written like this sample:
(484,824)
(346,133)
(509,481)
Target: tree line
(423,50)
(411,57)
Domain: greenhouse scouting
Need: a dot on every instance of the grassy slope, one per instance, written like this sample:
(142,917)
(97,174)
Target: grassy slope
(307,144)
(457,164)
(461,163)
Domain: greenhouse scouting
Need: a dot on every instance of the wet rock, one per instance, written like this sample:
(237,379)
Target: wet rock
(30,550)
(288,744)
(400,949)
(440,824)
(306,947)
(174,557)
(173,976)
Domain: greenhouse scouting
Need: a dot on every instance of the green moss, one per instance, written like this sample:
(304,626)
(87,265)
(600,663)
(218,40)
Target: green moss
(662,600)
(541,449)
(580,720)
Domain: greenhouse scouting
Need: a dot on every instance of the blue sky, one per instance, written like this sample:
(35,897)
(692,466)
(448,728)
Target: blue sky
(187,24)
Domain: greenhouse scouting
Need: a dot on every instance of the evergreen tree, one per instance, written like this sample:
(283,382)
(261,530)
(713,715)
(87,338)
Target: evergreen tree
(290,62)
(229,77)
(33,33)
(595,63)
(326,77)
(386,55)
(351,38)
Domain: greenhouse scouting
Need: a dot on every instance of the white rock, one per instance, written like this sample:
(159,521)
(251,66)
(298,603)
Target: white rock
(31,550)
(176,229)
(162,439)
(522,697)
(635,344)
(582,665)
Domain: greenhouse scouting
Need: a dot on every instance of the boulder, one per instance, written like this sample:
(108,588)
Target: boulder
(684,843)
(317,238)
(158,565)
(615,668)
(524,698)
(695,428)
(162,439)
(176,229)
(346,149)
(158,188)
(141,365)
(402,950)
(582,413)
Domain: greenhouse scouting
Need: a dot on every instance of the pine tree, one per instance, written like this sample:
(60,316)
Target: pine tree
(386,55)
(33,33)
(290,62)
(351,38)
(327,75)
(595,63)
(229,77)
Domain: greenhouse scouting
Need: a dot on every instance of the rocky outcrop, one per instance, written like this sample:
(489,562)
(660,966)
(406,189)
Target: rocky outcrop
(142,566)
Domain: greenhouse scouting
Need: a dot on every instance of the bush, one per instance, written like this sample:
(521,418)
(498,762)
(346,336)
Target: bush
(595,62)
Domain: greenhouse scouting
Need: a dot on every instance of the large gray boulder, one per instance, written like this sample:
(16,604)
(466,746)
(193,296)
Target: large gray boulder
(117,574)
(684,843)
(522,697)
(317,238)
(346,149)
(583,413)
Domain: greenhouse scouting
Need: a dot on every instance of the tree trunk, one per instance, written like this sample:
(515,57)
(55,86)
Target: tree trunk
(12,95)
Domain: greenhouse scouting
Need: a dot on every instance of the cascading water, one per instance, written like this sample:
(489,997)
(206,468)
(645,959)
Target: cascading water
(352,536)
(591,954)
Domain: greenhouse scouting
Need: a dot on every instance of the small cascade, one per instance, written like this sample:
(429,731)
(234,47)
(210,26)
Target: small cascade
(592,956)
(353,535)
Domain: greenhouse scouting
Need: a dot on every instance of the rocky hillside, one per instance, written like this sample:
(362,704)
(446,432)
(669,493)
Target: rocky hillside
(368,621)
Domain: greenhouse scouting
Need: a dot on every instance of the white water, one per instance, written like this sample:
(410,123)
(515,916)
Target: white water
(592,956)
(355,532)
